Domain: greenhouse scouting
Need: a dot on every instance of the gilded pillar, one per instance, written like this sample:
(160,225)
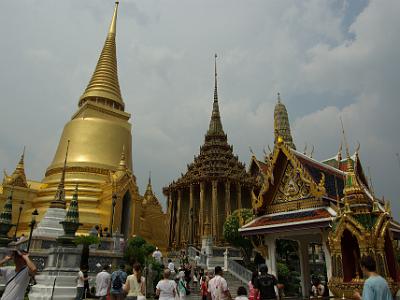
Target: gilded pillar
(227,198)
(170,220)
(239,195)
(178,231)
(214,203)
(191,214)
(201,211)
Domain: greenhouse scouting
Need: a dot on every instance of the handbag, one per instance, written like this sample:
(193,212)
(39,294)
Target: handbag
(187,291)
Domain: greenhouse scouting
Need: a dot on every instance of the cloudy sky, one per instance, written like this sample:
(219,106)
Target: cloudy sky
(326,58)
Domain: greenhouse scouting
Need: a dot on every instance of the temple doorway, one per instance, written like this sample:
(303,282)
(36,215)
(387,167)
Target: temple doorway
(126,214)
(350,256)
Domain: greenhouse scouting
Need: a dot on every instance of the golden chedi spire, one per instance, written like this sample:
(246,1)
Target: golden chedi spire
(104,85)
(99,129)
(282,125)
(18,177)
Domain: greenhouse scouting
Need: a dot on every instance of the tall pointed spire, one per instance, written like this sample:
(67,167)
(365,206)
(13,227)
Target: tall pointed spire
(59,198)
(18,177)
(104,85)
(72,215)
(122,162)
(339,155)
(281,124)
(215,127)
(149,189)
(350,167)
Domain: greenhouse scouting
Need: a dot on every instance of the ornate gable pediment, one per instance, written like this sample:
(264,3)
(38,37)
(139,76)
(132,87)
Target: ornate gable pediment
(291,186)
(286,180)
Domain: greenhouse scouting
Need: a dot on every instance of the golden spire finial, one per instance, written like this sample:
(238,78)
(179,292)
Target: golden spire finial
(122,162)
(59,198)
(113,25)
(104,84)
(350,167)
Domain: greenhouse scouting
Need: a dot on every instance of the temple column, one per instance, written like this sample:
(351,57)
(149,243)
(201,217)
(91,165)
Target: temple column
(304,267)
(178,231)
(201,210)
(227,198)
(270,260)
(214,204)
(169,201)
(191,214)
(327,254)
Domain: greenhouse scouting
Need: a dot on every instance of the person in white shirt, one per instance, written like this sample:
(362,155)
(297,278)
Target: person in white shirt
(218,287)
(166,288)
(103,281)
(80,285)
(171,267)
(17,279)
(241,293)
(197,261)
(157,255)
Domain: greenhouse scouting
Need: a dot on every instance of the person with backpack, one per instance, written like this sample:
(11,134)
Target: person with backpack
(118,279)
(265,285)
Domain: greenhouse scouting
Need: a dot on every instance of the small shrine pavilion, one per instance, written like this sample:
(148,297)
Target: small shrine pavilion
(328,203)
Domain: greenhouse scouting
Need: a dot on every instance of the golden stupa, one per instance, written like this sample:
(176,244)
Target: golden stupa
(99,158)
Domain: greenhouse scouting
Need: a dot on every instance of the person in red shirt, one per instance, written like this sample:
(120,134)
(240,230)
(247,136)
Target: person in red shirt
(204,288)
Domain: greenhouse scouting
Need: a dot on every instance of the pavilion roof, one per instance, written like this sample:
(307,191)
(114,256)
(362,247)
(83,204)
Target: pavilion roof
(302,219)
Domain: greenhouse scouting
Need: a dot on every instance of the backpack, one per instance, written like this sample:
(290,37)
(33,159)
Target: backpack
(117,282)
(266,285)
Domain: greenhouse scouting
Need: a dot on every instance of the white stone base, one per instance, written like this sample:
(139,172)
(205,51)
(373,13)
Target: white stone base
(64,288)
(50,225)
(58,279)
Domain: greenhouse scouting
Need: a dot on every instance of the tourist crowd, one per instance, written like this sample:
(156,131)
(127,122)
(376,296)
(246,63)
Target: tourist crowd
(188,278)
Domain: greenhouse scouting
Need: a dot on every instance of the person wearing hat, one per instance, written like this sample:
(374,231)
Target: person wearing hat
(17,279)
(183,289)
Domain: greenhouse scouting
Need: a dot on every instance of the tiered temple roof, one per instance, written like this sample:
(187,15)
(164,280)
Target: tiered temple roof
(216,159)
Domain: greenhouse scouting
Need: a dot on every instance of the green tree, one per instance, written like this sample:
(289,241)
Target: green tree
(86,241)
(137,250)
(231,231)
(286,249)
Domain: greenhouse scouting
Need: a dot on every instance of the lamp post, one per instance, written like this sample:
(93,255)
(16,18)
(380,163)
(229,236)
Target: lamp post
(32,225)
(114,202)
(19,216)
